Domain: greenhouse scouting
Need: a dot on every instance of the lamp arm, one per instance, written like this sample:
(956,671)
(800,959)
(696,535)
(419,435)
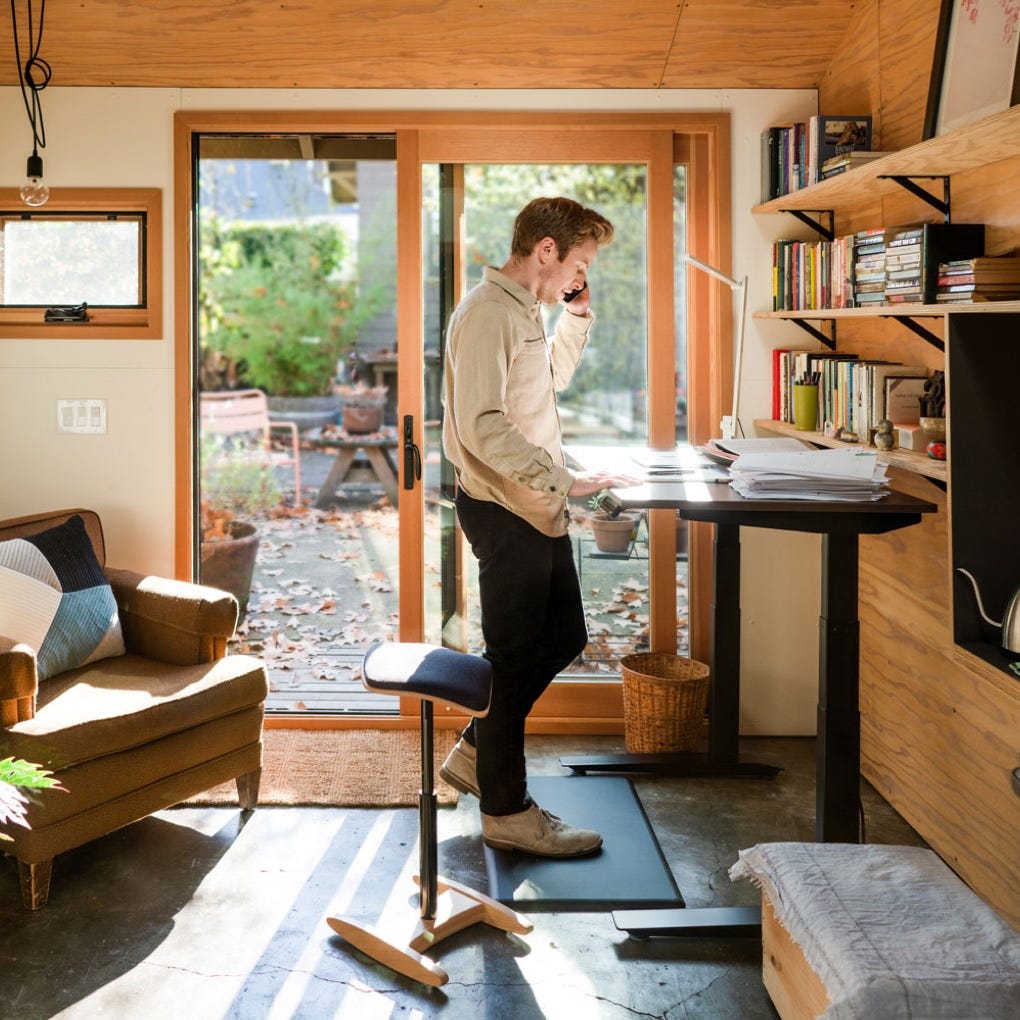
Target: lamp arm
(730,424)
(719,275)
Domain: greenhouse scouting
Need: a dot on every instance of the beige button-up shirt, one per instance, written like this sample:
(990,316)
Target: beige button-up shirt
(501,429)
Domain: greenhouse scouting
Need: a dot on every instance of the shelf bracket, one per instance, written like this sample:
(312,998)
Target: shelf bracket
(808,327)
(826,230)
(907,181)
(922,331)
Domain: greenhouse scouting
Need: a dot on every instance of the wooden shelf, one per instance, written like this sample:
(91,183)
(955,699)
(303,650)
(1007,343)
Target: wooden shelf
(917,463)
(976,145)
(892,311)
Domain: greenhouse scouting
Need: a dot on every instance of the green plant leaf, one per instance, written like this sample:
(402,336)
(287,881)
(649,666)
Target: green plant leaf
(18,772)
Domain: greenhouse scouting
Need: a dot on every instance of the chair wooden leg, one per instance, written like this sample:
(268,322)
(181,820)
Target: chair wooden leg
(35,883)
(248,789)
(400,942)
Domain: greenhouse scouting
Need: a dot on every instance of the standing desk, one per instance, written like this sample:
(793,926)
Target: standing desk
(838,735)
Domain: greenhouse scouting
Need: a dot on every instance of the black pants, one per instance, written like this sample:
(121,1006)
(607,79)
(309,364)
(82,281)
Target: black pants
(533,625)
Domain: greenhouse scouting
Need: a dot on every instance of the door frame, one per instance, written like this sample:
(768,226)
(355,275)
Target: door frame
(700,140)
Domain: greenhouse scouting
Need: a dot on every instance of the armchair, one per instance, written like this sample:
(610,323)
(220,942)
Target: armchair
(126,732)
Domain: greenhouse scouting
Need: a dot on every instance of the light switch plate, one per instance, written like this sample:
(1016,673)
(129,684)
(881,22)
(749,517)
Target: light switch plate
(81,417)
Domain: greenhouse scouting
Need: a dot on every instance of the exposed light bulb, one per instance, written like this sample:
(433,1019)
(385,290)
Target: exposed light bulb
(34,191)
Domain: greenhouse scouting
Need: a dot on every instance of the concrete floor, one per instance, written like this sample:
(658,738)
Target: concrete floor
(196,913)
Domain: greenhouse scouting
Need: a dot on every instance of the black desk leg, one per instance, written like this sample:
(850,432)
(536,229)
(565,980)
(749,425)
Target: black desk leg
(838,746)
(724,703)
(723,758)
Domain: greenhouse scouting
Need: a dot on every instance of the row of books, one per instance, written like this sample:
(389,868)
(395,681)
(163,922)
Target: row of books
(854,394)
(812,274)
(979,279)
(792,155)
(898,265)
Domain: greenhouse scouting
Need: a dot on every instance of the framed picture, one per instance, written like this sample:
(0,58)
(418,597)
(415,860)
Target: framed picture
(975,68)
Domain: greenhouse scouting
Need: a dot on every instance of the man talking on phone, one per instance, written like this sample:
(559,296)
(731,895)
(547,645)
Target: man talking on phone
(501,432)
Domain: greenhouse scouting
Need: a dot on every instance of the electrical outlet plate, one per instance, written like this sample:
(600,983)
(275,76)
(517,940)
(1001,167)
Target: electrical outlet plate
(81,417)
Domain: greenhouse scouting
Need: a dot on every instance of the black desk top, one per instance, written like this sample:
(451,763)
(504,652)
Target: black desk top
(721,504)
(707,498)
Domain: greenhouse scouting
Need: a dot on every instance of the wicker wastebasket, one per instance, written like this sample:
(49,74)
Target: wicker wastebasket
(664,699)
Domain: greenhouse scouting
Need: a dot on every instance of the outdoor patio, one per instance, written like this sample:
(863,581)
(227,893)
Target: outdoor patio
(326,586)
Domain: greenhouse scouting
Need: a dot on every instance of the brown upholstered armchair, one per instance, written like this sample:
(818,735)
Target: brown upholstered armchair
(156,713)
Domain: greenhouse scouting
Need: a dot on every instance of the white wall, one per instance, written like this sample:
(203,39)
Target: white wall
(124,137)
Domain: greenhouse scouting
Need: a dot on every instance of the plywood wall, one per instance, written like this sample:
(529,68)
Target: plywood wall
(884,68)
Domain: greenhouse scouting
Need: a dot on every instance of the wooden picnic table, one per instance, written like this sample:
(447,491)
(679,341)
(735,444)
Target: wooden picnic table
(376,448)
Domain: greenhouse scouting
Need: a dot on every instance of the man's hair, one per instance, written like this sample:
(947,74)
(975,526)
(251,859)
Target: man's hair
(567,222)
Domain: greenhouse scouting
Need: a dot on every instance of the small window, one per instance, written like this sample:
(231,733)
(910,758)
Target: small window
(98,248)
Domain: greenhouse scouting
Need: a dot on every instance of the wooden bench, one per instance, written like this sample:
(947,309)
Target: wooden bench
(236,412)
(878,931)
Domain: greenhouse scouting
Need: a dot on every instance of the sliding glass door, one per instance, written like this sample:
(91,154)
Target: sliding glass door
(468,213)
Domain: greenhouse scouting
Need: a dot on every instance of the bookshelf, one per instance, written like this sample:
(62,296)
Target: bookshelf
(969,148)
(973,147)
(940,708)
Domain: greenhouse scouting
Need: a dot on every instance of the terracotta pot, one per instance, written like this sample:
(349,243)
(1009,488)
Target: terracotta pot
(358,419)
(230,564)
(613,534)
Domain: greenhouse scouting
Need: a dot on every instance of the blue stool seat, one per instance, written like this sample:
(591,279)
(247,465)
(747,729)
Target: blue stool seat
(428,671)
(432,674)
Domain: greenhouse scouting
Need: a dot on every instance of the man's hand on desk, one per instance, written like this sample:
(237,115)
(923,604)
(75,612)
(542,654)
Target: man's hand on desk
(588,483)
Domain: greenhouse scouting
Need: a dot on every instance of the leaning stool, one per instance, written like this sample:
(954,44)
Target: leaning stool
(463,681)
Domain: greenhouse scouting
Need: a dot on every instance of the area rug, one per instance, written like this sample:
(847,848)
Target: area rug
(341,768)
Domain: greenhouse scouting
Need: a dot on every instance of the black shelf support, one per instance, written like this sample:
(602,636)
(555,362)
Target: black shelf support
(922,331)
(907,182)
(808,327)
(828,231)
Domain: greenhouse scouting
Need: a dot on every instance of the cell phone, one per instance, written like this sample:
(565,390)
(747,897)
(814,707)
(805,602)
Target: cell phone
(571,294)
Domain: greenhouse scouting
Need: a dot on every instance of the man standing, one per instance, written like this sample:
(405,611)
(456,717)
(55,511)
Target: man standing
(502,433)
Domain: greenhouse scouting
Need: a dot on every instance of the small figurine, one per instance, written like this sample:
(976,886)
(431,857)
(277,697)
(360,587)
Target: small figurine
(933,403)
(884,437)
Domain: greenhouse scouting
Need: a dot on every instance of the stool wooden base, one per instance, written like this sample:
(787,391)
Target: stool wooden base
(457,907)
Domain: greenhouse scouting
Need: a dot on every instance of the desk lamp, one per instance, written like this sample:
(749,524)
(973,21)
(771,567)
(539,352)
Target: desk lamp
(730,425)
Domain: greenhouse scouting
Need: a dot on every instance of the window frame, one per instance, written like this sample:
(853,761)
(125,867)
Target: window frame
(138,322)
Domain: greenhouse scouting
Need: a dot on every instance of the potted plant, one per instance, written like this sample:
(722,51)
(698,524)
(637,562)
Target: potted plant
(361,407)
(236,482)
(613,534)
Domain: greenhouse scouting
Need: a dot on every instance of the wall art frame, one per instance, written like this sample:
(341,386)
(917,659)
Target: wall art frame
(975,66)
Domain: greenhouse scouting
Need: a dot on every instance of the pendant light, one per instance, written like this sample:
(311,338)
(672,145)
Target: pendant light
(33,76)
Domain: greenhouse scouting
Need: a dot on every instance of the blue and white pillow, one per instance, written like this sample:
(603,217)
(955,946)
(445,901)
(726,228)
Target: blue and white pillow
(55,598)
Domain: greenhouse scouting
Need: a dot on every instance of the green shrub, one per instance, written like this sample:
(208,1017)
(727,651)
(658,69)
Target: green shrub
(276,303)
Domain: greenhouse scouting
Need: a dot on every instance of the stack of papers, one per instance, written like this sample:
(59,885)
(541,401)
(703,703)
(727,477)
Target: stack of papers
(844,475)
(726,451)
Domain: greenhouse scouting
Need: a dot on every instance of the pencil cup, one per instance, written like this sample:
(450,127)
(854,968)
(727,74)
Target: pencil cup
(805,407)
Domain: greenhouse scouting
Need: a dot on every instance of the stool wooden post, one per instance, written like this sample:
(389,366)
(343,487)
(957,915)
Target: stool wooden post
(432,674)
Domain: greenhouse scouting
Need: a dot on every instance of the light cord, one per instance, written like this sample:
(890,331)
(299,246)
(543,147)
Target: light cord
(34,66)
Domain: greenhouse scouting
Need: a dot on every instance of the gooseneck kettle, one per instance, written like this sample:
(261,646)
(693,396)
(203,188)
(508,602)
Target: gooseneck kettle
(1010,622)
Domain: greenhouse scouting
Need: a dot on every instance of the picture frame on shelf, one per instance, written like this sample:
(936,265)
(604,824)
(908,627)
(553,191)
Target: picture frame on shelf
(975,67)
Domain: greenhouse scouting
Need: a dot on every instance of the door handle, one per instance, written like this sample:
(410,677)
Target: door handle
(412,455)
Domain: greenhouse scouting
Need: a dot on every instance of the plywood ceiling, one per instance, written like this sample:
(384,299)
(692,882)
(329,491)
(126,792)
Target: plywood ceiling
(424,44)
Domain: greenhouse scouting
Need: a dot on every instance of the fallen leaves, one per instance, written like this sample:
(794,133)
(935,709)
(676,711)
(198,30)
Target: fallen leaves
(325,588)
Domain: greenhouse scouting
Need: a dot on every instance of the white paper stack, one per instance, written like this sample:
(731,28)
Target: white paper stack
(845,474)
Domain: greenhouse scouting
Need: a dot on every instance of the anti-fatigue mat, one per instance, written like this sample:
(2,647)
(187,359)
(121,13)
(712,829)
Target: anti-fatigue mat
(628,872)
